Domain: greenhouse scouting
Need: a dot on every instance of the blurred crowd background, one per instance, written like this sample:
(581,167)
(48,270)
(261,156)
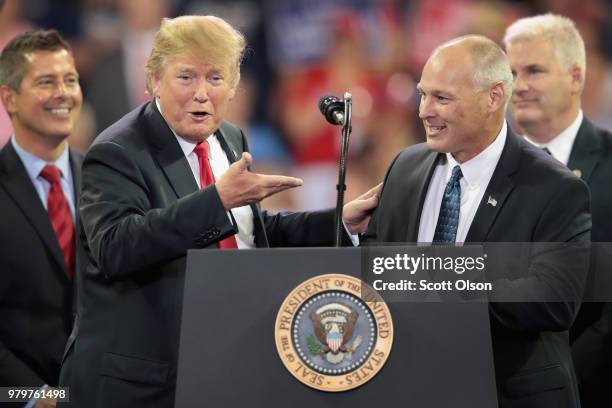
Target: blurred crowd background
(298,51)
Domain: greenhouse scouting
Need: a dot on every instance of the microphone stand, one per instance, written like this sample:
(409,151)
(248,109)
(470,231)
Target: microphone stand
(341,186)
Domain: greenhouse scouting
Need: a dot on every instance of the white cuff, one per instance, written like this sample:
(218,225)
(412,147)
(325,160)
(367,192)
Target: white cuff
(354,237)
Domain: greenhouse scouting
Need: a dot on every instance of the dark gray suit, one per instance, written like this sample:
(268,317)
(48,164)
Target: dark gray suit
(35,290)
(592,331)
(141,211)
(592,155)
(538,200)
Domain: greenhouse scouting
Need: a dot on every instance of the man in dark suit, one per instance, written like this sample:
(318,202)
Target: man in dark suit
(475,181)
(39,179)
(547,56)
(168,177)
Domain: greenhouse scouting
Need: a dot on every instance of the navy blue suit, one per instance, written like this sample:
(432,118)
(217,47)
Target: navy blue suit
(538,200)
(141,211)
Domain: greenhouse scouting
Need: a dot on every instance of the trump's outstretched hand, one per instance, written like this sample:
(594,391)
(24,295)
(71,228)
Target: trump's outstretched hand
(239,186)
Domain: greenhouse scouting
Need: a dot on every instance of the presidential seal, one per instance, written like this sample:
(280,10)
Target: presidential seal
(331,335)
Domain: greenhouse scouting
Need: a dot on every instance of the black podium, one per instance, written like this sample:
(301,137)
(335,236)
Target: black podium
(441,354)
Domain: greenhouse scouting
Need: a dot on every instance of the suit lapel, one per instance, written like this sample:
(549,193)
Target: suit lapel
(423,173)
(168,153)
(585,155)
(232,149)
(76,162)
(75,165)
(172,161)
(19,186)
(497,191)
(228,145)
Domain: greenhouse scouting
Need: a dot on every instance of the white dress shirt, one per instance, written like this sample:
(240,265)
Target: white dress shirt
(219,163)
(34,166)
(477,173)
(560,147)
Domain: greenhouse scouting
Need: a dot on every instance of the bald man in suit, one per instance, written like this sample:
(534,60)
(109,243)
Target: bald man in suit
(475,181)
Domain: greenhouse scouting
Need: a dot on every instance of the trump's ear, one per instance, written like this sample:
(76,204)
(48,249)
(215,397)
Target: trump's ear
(155,86)
(497,97)
(7,96)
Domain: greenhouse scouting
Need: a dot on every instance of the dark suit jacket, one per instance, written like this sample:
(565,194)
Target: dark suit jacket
(592,345)
(141,211)
(592,155)
(35,290)
(538,200)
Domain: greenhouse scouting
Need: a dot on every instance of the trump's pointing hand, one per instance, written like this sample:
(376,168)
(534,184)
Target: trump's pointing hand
(238,186)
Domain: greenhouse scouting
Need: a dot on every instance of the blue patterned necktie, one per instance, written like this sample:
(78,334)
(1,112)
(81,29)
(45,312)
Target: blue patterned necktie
(448,220)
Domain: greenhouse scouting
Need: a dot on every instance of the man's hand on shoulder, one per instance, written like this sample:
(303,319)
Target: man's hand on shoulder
(356,213)
(238,186)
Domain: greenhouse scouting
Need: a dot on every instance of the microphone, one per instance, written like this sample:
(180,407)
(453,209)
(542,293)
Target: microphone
(332,108)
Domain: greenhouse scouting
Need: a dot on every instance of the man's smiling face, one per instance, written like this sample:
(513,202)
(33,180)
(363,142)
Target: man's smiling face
(49,99)
(452,109)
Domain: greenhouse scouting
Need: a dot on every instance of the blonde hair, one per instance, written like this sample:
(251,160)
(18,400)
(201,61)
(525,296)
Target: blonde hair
(560,32)
(208,37)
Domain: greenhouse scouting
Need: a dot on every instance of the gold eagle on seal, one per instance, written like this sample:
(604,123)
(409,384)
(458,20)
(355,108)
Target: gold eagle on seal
(334,324)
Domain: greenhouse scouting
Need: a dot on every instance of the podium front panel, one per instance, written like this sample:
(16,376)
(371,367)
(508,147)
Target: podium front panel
(441,354)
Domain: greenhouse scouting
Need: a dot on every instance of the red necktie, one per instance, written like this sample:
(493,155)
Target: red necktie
(207,177)
(59,213)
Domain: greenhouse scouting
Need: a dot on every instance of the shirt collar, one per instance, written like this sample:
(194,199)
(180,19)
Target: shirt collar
(479,169)
(186,145)
(34,164)
(560,147)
